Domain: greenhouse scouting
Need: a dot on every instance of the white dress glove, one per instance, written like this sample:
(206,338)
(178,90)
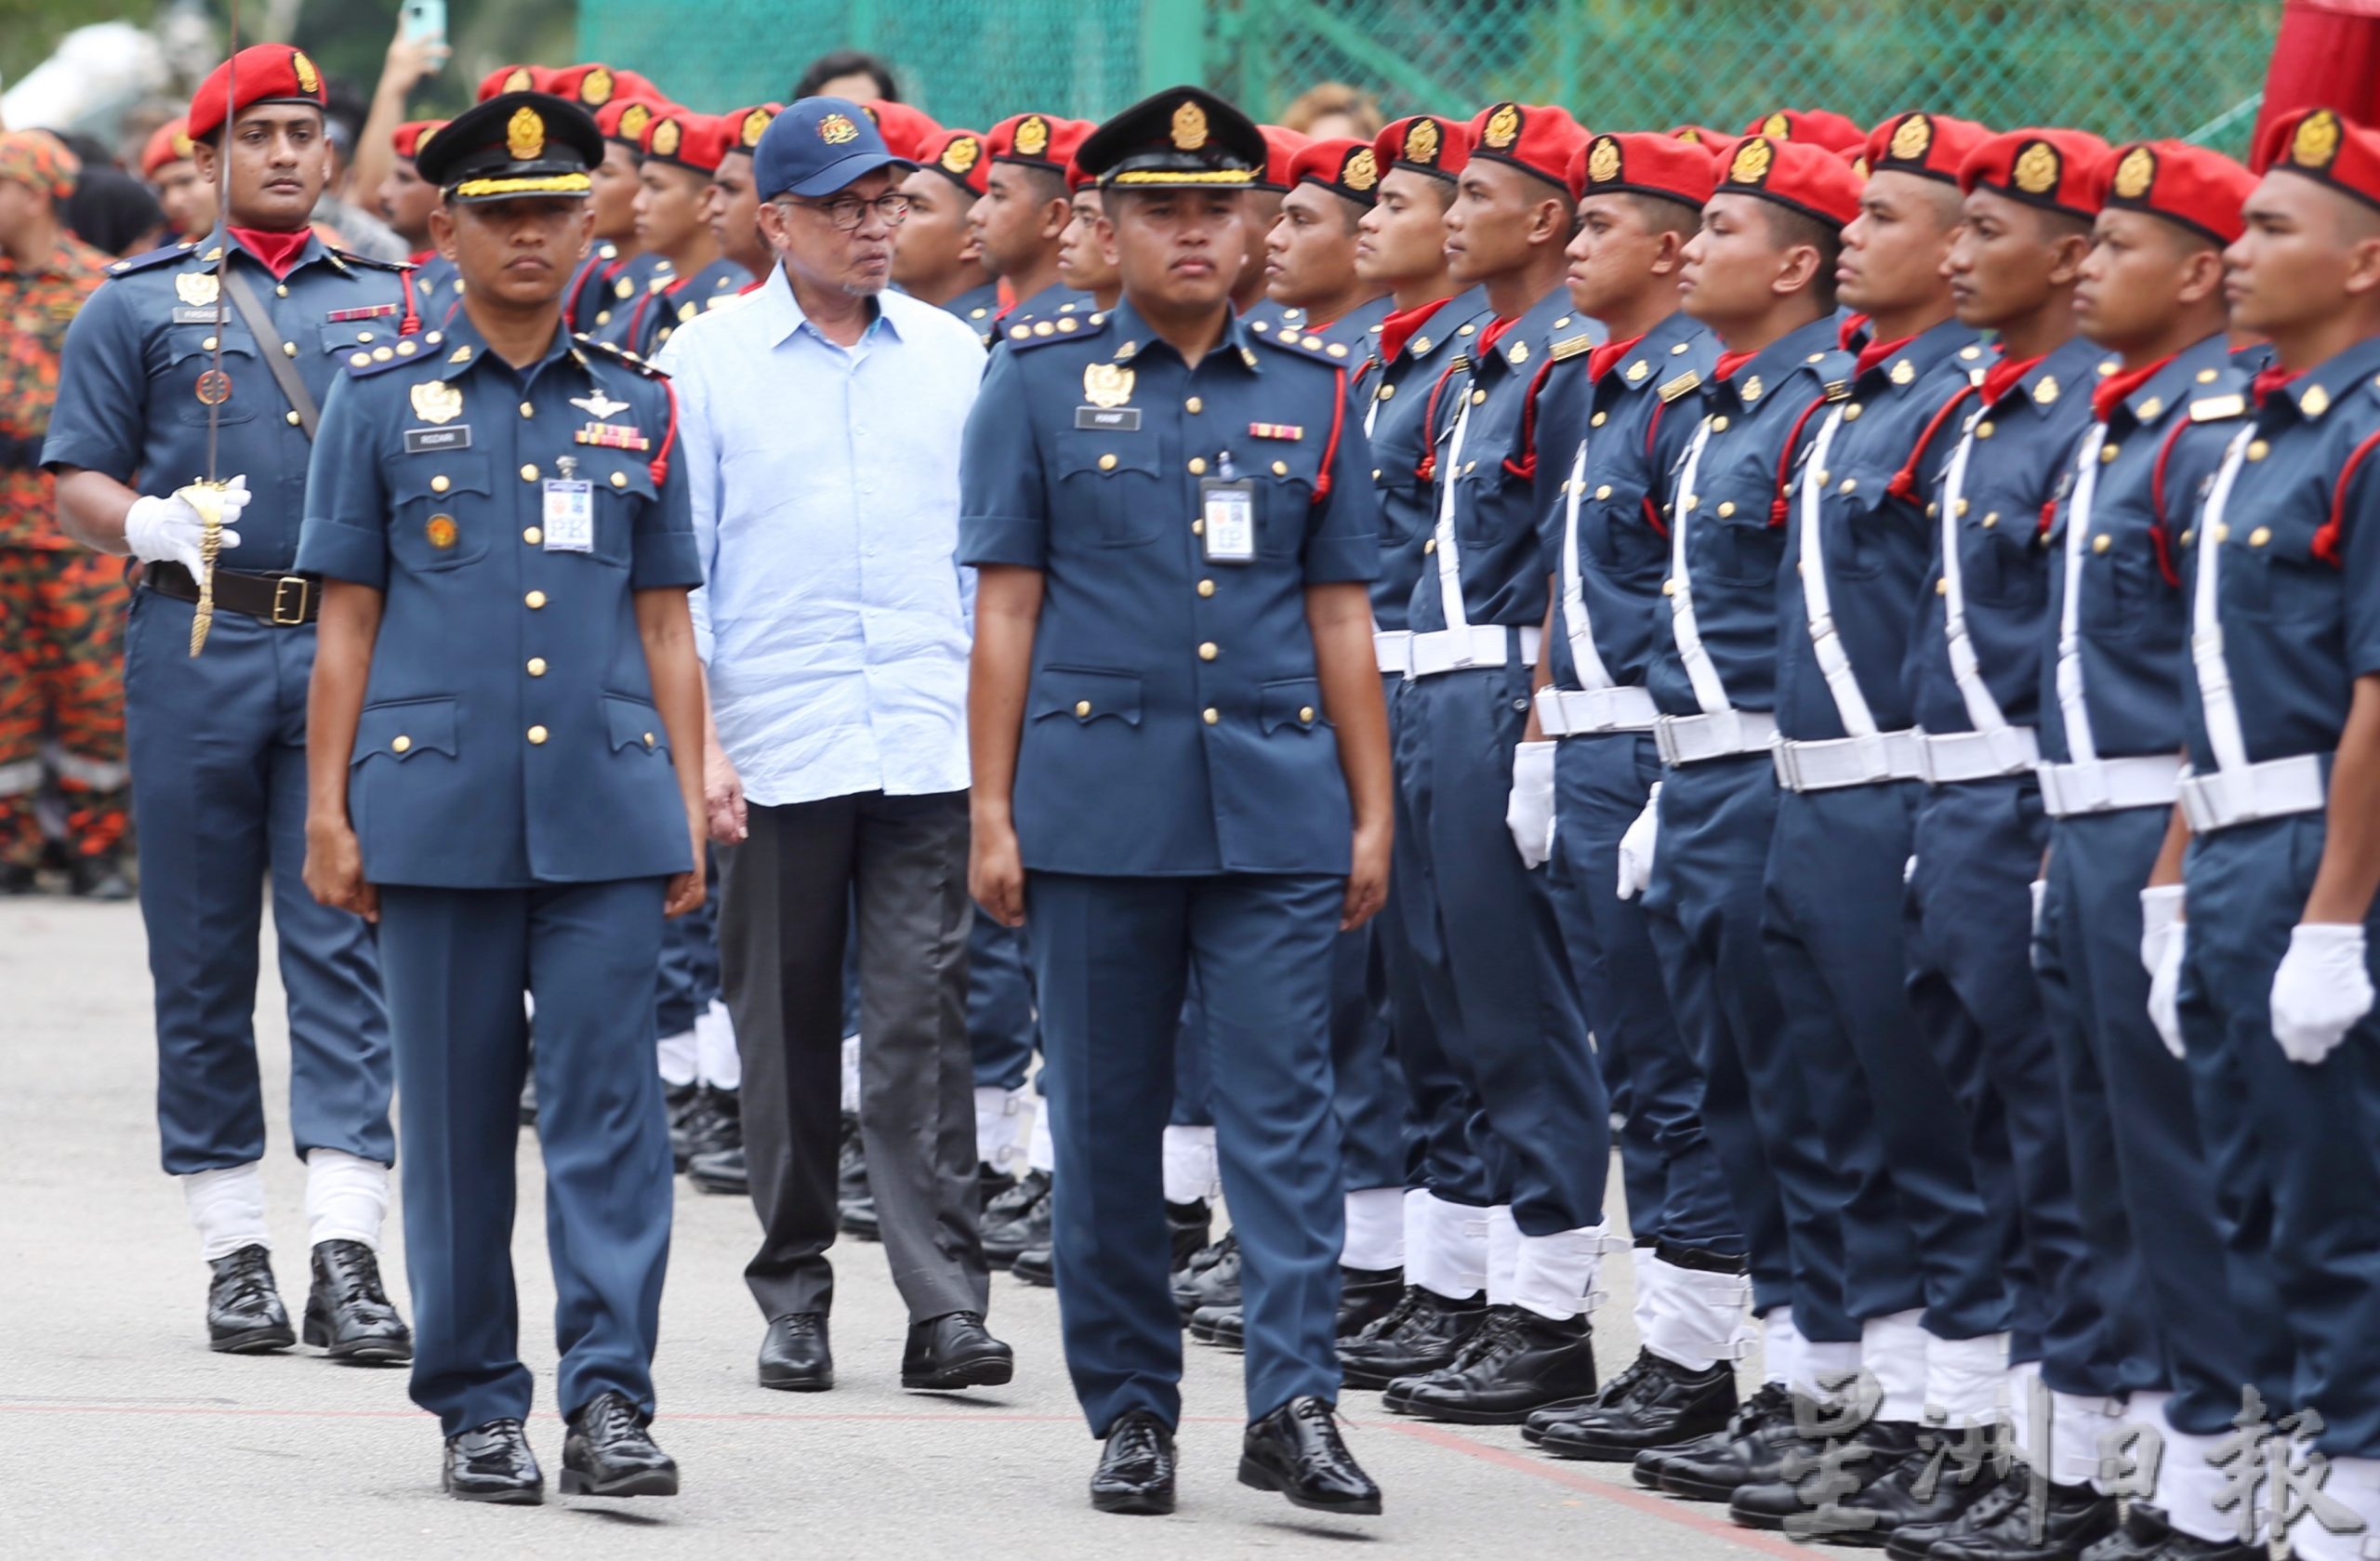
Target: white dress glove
(1528,811)
(2322,991)
(2040,899)
(1636,848)
(2163,937)
(160,529)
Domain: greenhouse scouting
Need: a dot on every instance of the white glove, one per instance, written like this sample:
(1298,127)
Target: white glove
(1636,848)
(167,529)
(2165,985)
(1528,811)
(2040,899)
(1908,872)
(2160,919)
(2322,991)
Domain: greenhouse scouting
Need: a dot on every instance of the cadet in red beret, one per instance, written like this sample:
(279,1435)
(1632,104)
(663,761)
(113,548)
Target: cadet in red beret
(1023,213)
(1310,249)
(681,153)
(734,198)
(618,269)
(594,87)
(905,129)
(1822,127)
(935,253)
(167,164)
(515,78)
(407,200)
(1263,208)
(1083,261)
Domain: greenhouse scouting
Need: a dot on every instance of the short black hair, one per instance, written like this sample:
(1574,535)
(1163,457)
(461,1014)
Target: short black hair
(1661,215)
(845,62)
(1790,229)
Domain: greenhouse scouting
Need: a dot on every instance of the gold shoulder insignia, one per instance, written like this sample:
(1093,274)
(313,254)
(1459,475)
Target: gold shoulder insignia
(1838,389)
(1562,352)
(2210,409)
(1672,389)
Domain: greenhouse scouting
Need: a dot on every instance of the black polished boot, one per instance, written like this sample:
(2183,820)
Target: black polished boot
(1297,1452)
(1926,1490)
(1753,1450)
(1018,1220)
(713,1124)
(796,1356)
(1188,1225)
(723,1171)
(609,1452)
(1422,1332)
(1535,1362)
(2071,1517)
(1823,1487)
(682,1101)
(492,1462)
(1226,1327)
(1135,1473)
(2140,1537)
(1215,1285)
(851,1164)
(989,1184)
(348,1314)
(1655,1403)
(954,1351)
(856,1218)
(1366,1295)
(244,1311)
(1037,1266)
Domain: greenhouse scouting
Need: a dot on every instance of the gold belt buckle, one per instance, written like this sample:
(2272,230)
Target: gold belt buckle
(285,616)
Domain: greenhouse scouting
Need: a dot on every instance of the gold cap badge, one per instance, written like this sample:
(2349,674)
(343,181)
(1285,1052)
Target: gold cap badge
(2037,168)
(664,138)
(595,87)
(1503,126)
(1033,134)
(1777,124)
(2317,141)
(435,400)
(1421,143)
(756,124)
(309,80)
(524,134)
(837,129)
(1912,140)
(1602,161)
(961,155)
(1362,170)
(1189,127)
(1751,162)
(2135,174)
(633,119)
(519,80)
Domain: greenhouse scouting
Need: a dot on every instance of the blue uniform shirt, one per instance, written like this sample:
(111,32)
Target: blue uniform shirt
(636,279)
(2131,623)
(508,734)
(1876,541)
(2298,584)
(2024,446)
(1025,319)
(588,301)
(1734,542)
(1495,488)
(1636,422)
(1405,414)
(977,306)
(1174,724)
(715,287)
(129,378)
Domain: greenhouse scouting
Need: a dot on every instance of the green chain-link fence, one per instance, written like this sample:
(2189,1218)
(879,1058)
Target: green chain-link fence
(2120,67)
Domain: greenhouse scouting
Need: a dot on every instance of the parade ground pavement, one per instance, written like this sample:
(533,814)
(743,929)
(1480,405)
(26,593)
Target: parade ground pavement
(131,1440)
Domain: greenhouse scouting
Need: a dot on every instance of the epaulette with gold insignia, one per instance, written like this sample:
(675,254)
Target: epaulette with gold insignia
(1456,364)
(1022,335)
(620,355)
(1291,344)
(2215,409)
(1672,389)
(410,351)
(148,260)
(1562,352)
(1838,389)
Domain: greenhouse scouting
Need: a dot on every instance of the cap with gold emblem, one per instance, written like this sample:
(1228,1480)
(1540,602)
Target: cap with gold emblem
(168,143)
(2052,169)
(1184,138)
(905,129)
(1426,143)
(1800,176)
(1929,145)
(2199,187)
(592,85)
(516,144)
(2322,145)
(820,145)
(686,139)
(1037,141)
(1698,135)
(957,156)
(1281,148)
(259,75)
(1535,137)
(1819,126)
(1641,164)
(515,78)
(625,120)
(409,138)
(746,126)
(1348,169)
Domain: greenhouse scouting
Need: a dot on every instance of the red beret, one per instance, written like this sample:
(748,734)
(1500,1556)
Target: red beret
(1281,148)
(746,126)
(1424,143)
(2202,190)
(1536,139)
(1819,126)
(407,138)
(905,130)
(957,156)
(1929,145)
(625,120)
(515,78)
(168,143)
(690,141)
(2325,147)
(1037,141)
(1639,163)
(592,85)
(1700,135)
(1801,175)
(259,73)
(2052,169)
(1346,168)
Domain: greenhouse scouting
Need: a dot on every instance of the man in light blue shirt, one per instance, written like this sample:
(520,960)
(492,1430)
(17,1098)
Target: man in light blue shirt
(820,425)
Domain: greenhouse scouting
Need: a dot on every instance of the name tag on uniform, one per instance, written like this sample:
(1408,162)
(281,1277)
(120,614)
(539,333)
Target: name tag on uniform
(184,315)
(431,441)
(570,517)
(1109,419)
(1228,513)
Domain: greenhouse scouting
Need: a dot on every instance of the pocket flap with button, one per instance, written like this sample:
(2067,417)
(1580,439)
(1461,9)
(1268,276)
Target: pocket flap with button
(1107,454)
(634,724)
(439,475)
(402,728)
(1291,702)
(1088,695)
(620,474)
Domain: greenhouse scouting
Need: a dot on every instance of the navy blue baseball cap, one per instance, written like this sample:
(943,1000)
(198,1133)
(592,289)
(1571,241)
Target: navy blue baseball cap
(817,145)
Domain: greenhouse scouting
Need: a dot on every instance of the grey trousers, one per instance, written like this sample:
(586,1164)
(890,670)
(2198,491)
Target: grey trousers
(786,898)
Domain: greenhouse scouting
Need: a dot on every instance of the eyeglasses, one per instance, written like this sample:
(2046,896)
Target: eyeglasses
(848,213)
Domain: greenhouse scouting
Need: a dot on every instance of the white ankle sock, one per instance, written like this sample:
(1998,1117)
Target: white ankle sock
(1698,1316)
(676,1055)
(1191,1172)
(1555,1275)
(228,1208)
(345,1198)
(851,1076)
(999,1127)
(1503,1254)
(1780,1348)
(1040,1149)
(1375,1238)
(716,1059)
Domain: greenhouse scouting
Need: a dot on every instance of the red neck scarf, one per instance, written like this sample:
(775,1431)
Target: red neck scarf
(1730,362)
(1493,334)
(1851,331)
(2002,377)
(2116,389)
(277,252)
(1600,359)
(1876,352)
(1404,324)
(2270,381)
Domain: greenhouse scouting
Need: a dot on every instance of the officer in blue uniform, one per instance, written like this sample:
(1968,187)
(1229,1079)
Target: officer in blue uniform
(1611,423)
(1017,222)
(210,357)
(687,145)
(2274,966)
(508,670)
(1761,275)
(2187,1330)
(1180,760)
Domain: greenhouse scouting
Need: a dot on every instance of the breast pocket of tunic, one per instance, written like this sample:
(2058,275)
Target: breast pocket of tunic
(394,740)
(196,393)
(1110,489)
(2002,564)
(442,515)
(2270,570)
(1285,479)
(623,487)
(1614,534)
(1731,541)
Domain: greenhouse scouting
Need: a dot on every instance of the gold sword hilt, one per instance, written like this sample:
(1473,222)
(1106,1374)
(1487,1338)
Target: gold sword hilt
(205,496)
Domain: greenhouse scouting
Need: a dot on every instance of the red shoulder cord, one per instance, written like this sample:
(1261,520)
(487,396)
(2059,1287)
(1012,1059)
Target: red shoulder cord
(1525,467)
(1338,422)
(636,319)
(2326,541)
(2159,528)
(1904,482)
(1652,430)
(410,323)
(1428,471)
(660,465)
(1781,508)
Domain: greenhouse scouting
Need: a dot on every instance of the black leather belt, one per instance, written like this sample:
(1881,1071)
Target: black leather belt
(286,601)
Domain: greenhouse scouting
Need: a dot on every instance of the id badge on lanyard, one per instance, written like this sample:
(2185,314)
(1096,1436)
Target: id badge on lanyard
(1228,511)
(569,517)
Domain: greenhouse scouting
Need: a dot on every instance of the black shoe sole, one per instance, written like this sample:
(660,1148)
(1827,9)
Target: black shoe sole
(1038,1281)
(1773,1522)
(1695,1490)
(1354,1375)
(518,1496)
(1456,1414)
(357,1352)
(1257,1478)
(254,1341)
(719,1188)
(645,1482)
(1584,1452)
(1134,1504)
(798,1384)
(990,1370)
(1000,1261)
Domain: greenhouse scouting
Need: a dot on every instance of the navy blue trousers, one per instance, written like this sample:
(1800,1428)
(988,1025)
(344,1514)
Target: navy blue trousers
(218,746)
(457,961)
(2296,1149)
(1967,926)
(1001,1031)
(689,961)
(1367,1089)
(1109,959)
(1703,913)
(1502,999)
(1677,1190)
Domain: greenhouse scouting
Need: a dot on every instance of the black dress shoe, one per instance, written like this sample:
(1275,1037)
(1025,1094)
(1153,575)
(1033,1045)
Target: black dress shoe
(529,1096)
(348,1314)
(2140,1537)
(722,1171)
(1018,1220)
(1766,1437)
(1422,1332)
(1366,1295)
(683,1103)
(2180,1546)
(1215,1284)
(1226,1326)
(954,1351)
(492,1462)
(99,878)
(1135,1473)
(989,1184)
(1928,1488)
(609,1452)
(1655,1403)
(795,1357)
(857,1220)
(1188,1225)
(1914,1541)
(244,1311)
(1819,1493)
(2072,1518)
(1037,1266)
(1521,1363)
(711,1125)
(850,1163)
(1296,1451)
